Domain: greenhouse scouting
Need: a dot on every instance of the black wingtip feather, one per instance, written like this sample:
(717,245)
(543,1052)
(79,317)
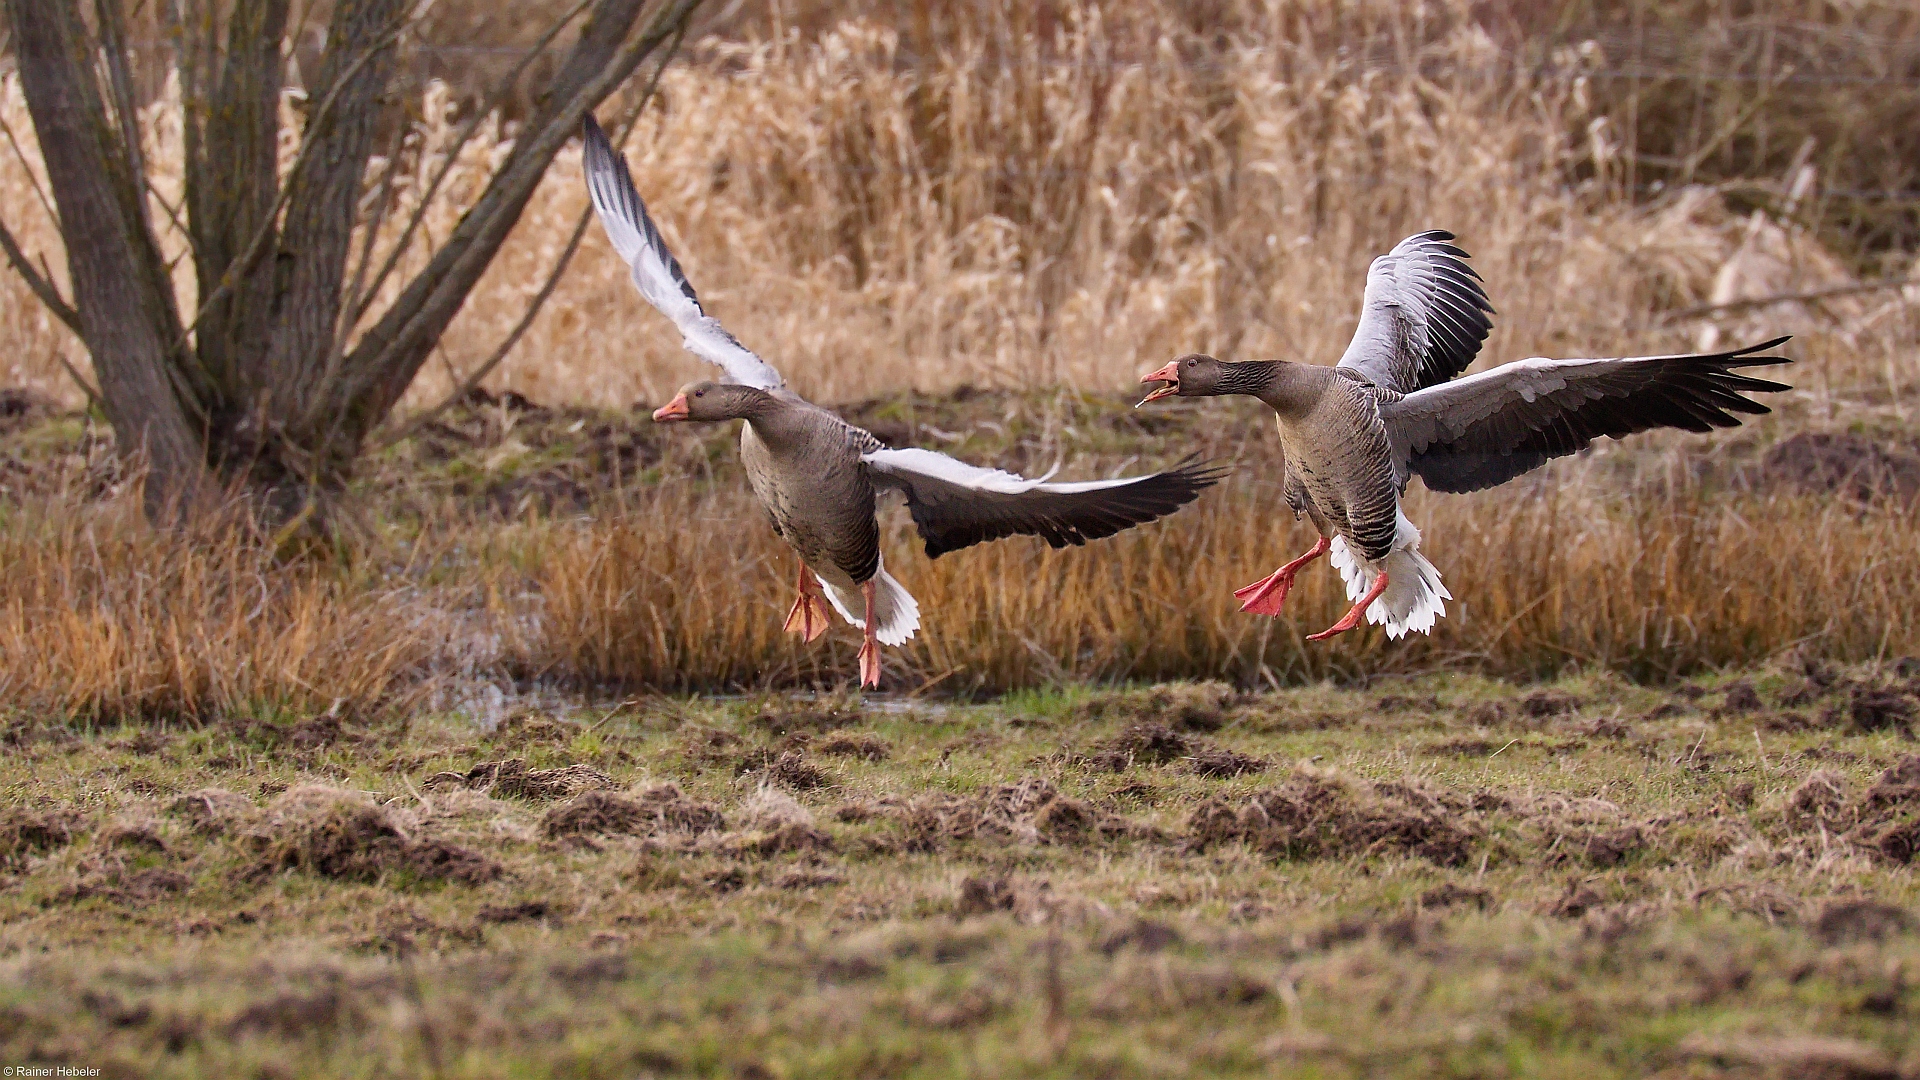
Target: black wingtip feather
(1071,519)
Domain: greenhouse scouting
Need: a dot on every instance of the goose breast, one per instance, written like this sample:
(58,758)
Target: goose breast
(816,494)
(1339,452)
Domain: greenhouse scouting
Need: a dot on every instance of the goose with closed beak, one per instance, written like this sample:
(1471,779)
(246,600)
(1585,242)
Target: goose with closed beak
(819,477)
(1353,435)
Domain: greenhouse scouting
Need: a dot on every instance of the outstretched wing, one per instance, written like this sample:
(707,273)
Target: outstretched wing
(1424,316)
(955,504)
(656,273)
(1488,428)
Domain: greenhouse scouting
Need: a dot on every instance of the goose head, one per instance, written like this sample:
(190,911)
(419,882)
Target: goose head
(711,401)
(1192,375)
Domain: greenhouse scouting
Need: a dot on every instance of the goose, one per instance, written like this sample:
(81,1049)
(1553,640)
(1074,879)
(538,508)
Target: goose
(819,477)
(1353,435)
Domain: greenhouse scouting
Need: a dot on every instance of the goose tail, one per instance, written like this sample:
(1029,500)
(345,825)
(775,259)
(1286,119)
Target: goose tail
(1415,595)
(894,607)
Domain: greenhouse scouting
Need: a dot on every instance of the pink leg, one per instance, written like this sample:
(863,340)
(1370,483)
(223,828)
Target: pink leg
(808,616)
(1352,618)
(870,648)
(1265,597)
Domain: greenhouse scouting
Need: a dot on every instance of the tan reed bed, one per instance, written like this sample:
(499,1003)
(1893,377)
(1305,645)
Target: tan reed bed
(103,618)
(1652,583)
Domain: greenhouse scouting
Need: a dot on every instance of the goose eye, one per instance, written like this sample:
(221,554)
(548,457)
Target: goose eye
(699,393)
(1192,363)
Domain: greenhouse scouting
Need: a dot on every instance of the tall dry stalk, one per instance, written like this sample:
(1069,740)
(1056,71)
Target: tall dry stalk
(102,619)
(1657,582)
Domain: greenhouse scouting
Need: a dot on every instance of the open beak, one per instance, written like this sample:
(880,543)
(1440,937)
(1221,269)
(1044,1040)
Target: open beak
(1170,375)
(672,410)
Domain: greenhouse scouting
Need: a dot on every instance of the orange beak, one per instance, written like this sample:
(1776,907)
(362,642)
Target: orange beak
(672,410)
(1169,375)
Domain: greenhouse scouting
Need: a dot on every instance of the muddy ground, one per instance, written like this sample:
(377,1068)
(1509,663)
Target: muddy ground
(1436,876)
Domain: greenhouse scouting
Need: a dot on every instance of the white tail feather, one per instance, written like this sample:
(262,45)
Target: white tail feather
(894,607)
(1414,596)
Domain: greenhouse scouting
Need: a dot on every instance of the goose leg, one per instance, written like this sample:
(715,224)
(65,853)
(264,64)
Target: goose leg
(870,648)
(1352,618)
(808,616)
(1265,597)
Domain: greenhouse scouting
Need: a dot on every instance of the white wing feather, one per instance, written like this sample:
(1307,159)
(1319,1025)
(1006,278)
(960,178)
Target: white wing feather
(938,466)
(656,273)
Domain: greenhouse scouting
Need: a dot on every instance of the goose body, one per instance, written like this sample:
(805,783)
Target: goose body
(1353,435)
(819,478)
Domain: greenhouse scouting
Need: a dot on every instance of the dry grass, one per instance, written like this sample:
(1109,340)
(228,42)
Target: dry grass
(1066,195)
(1651,583)
(103,619)
(899,196)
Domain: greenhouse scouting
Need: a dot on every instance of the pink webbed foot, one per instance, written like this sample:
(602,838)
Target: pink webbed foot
(1269,594)
(1352,618)
(808,616)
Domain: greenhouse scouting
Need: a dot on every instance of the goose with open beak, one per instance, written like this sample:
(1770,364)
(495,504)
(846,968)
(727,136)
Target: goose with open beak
(819,477)
(1353,435)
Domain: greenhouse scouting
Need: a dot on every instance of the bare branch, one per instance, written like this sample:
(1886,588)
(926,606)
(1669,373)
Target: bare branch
(42,286)
(370,234)
(113,47)
(390,353)
(93,396)
(359,303)
(539,300)
(1750,303)
(26,167)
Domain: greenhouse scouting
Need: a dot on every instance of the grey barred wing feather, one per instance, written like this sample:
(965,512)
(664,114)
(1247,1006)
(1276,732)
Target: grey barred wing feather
(1424,316)
(955,505)
(1486,429)
(656,273)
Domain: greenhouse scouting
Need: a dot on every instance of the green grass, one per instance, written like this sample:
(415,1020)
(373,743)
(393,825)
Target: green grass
(1585,877)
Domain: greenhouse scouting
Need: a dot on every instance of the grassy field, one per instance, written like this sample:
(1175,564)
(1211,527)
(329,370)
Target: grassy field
(1441,875)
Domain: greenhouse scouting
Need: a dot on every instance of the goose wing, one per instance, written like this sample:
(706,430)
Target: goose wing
(1424,316)
(1486,429)
(656,273)
(955,504)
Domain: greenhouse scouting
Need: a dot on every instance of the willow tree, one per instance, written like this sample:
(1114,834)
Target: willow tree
(274,378)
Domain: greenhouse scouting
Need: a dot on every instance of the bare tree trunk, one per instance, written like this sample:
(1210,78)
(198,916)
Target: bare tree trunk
(258,390)
(122,293)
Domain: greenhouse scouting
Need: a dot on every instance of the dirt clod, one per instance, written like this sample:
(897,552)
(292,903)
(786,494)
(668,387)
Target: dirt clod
(213,811)
(1868,710)
(339,834)
(1820,800)
(1741,698)
(1544,703)
(857,744)
(1203,706)
(1143,935)
(529,911)
(1845,464)
(1862,920)
(663,808)
(1452,894)
(511,779)
(978,896)
(1315,814)
(1218,761)
(24,833)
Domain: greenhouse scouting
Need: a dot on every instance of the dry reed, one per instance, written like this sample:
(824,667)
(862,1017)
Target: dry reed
(1067,194)
(104,619)
(1654,583)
